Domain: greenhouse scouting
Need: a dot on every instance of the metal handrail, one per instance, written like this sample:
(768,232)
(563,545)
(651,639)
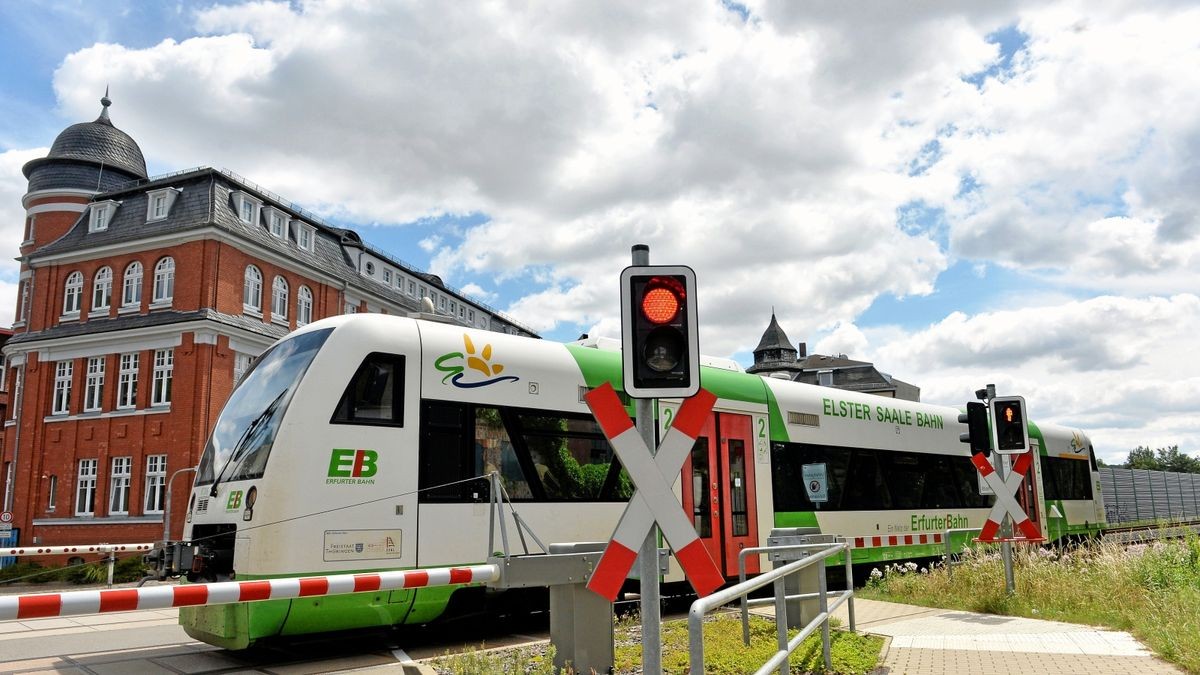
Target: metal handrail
(780,660)
(746,602)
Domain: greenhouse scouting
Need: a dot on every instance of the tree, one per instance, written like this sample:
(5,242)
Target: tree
(1162,459)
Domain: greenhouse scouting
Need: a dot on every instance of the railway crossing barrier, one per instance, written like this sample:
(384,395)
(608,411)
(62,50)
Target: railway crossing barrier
(73,603)
(111,551)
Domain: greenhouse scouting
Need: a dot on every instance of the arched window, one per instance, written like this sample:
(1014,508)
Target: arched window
(279,299)
(303,306)
(102,289)
(164,281)
(131,287)
(73,293)
(252,290)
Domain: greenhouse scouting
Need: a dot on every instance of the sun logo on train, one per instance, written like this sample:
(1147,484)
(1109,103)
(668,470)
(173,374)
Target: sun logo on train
(1076,442)
(477,365)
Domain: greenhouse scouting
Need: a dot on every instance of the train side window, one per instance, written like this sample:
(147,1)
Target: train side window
(375,395)
(444,456)
(494,452)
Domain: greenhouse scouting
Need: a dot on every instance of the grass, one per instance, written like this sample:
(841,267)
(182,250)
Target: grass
(724,652)
(1150,590)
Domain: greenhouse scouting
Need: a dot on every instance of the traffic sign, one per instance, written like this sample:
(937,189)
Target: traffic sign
(6,516)
(653,501)
(1005,502)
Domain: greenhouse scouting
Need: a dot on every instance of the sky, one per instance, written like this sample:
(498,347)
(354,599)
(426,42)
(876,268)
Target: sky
(962,193)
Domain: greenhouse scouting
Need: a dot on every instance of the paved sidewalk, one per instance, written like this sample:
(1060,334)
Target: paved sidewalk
(926,641)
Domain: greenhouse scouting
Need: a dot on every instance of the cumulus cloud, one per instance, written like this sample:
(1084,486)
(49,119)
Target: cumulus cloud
(12,219)
(803,156)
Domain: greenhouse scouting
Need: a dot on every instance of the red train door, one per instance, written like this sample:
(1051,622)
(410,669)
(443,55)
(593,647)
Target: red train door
(1027,495)
(718,490)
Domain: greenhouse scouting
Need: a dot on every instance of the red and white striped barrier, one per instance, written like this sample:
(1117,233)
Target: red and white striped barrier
(653,501)
(74,603)
(886,540)
(80,548)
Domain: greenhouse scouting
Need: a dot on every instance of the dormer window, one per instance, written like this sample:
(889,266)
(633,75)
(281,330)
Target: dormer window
(370,268)
(247,207)
(159,204)
(101,215)
(305,236)
(277,222)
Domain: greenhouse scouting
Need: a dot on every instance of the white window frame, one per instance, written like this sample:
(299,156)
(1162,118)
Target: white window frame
(159,203)
(163,291)
(120,479)
(131,285)
(155,493)
(306,236)
(304,306)
(277,222)
(100,215)
(387,276)
(127,381)
(279,299)
(73,294)
(247,208)
(52,493)
(163,376)
(63,372)
(102,284)
(85,487)
(252,291)
(241,363)
(93,391)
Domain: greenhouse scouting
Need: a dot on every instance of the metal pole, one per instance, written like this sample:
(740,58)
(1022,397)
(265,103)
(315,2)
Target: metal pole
(781,624)
(821,586)
(648,558)
(112,560)
(850,586)
(167,505)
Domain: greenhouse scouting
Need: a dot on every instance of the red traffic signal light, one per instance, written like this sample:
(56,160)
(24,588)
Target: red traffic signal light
(660,347)
(1008,418)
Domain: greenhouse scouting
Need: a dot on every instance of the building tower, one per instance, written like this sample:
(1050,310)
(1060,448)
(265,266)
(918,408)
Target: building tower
(774,353)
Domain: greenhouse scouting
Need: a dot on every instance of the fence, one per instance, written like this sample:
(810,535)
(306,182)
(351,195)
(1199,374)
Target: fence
(1133,495)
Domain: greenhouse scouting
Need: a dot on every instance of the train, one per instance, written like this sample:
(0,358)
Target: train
(365,442)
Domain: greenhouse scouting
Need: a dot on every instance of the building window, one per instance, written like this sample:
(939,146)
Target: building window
(23,310)
(247,207)
(351,308)
(159,203)
(305,237)
(118,486)
(131,286)
(93,392)
(241,363)
(304,302)
(387,276)
(52,493)
(442,302)
(18,387)
(279,299)
(62,387)
(85,493)
(252,291)
(156,484)
(127,379)
(101,215)
(102,290)
(160,387)
(471,316)
(278,224)
(9,489)
(370,268)
(164,281)
(73,294)
(412,288)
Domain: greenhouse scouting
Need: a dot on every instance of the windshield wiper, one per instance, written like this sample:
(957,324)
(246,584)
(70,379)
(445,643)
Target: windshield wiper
(251,428)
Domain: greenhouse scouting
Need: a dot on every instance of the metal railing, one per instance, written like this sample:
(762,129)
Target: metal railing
(746,602)
(780,660)
(950,562)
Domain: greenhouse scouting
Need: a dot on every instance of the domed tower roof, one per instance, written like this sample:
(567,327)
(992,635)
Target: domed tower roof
(91,144)
(773,338)
(774,352)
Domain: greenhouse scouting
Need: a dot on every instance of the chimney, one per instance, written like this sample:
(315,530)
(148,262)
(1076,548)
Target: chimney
(803,350)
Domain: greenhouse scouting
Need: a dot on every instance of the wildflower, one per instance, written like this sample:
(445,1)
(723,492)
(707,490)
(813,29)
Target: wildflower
(876,574)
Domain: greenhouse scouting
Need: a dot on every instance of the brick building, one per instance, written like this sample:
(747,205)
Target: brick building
(141,301)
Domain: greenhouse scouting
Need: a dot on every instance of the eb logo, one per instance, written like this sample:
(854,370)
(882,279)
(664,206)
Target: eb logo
(235,501)
(346,463)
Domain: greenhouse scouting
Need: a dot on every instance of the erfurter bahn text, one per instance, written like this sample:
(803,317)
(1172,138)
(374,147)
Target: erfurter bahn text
(360,443)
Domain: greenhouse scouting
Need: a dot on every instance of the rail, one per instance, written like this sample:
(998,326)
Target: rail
(73,603)
(746,603)
(780,660)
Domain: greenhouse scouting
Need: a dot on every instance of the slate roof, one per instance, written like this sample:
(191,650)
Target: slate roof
(155,318)
(774,338)
(97,142)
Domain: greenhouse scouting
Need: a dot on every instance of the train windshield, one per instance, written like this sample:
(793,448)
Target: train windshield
(241,442)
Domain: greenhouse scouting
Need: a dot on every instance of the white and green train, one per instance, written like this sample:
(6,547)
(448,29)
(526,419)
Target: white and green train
(362,443)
